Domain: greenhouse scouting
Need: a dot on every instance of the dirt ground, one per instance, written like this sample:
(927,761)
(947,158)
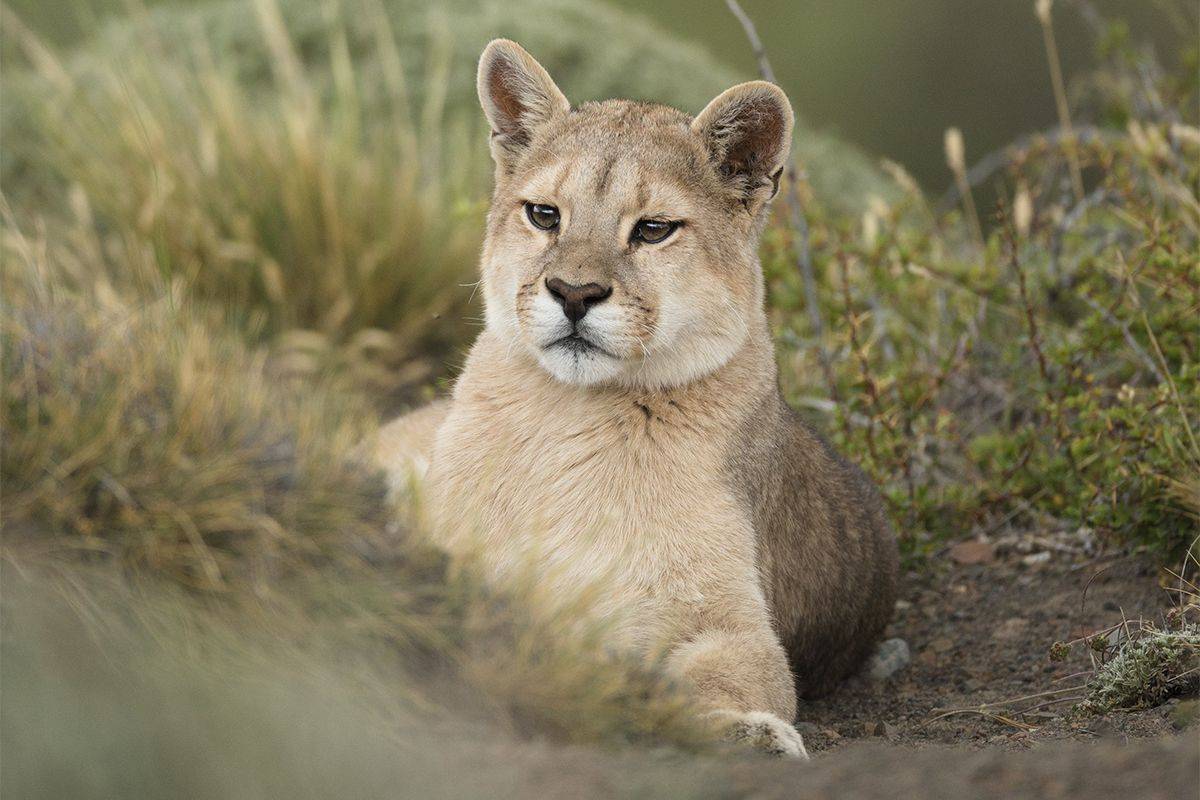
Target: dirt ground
(980,633)
(979,626)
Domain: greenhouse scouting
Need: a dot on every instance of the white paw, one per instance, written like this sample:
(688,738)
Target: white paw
(763,731)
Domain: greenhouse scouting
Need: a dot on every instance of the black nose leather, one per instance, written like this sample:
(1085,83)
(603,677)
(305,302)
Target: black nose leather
(576,300)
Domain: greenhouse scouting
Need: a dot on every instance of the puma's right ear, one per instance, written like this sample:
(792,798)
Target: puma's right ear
(517,96)
(748,132)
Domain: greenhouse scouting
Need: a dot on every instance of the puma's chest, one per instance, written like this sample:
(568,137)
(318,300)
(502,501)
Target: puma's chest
(628,501)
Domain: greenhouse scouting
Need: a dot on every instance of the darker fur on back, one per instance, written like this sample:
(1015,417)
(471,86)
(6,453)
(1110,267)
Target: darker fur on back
(828,559)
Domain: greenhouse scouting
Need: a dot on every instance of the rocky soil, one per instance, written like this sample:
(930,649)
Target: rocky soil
(980,629)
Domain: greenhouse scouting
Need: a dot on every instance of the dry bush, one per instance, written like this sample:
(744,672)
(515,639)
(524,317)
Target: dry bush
(342,233)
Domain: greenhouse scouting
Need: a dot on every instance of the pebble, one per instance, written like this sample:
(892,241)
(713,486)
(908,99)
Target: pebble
(1185,714)
(1036,559)
(880,729)
(890,657)
(808,729)
(941,645)
(1011,629)
(973,552)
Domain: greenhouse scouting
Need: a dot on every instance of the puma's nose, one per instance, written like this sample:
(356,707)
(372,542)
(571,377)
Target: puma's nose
(576,300)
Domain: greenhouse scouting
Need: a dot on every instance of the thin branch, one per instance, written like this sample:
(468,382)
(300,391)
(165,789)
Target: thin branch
(797,218)
(760,52)
(1022,726)
(1064,227)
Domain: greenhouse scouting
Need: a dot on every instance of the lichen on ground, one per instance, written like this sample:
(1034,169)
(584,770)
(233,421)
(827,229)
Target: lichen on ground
(1147,670)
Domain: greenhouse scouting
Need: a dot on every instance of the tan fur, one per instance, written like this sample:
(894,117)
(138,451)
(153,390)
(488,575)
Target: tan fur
(663,467)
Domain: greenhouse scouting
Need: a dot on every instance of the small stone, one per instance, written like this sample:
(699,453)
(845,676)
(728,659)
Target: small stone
(972,552)
(831,734)
(1011,629)
(941,645)
(1036,559)
(1103,728)
(927,658)
(882,729)
(902,606)
(808,729)
(891,656)
(1185,714)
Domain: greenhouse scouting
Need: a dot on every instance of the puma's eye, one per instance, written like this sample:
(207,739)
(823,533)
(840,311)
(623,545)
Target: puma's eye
(653,231)
(542,216)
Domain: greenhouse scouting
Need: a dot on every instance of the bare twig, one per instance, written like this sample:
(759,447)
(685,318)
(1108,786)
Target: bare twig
(858,348)
(799,222)
(1064,227)
(1051,697)
(1035,339)
(1162,360)
(760,52)
(1022,726)
(1075,698)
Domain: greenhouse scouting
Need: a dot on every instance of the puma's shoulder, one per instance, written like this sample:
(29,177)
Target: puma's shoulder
(404,446)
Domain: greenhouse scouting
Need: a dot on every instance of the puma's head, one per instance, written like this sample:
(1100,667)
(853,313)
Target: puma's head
(621,242)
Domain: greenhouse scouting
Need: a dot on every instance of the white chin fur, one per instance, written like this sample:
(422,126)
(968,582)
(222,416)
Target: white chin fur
(579,368)
(546,324)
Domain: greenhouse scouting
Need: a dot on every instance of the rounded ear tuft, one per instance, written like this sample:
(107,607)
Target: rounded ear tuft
(518,97)
(748,132)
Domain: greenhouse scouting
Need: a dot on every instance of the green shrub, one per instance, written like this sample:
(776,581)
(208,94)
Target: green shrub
(1048,376)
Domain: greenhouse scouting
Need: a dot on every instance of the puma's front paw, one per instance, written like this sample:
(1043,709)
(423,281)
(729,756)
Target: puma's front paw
(762,730)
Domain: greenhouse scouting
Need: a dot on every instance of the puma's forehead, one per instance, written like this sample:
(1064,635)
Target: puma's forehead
(645,152)
(617,181)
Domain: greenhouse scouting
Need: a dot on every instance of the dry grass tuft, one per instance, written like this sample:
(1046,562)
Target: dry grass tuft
(149,446)
(328,226)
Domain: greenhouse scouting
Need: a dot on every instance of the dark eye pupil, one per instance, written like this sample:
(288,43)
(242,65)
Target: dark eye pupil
(653,230)
(542,216)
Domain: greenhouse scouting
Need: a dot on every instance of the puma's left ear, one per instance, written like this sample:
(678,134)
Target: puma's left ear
(518,97)
(748,132)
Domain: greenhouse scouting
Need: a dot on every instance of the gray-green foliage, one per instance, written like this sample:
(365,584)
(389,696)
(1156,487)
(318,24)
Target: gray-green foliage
(1147,670)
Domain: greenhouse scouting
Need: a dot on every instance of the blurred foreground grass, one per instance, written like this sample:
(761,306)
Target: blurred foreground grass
(232,237)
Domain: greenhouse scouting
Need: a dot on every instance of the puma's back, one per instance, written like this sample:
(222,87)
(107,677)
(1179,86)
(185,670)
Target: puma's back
(829,557)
